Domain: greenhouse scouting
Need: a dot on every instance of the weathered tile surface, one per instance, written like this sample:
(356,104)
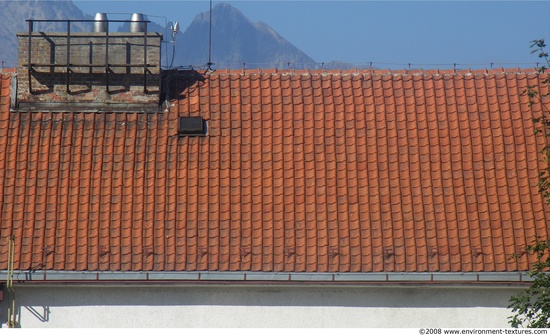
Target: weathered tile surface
(300,171)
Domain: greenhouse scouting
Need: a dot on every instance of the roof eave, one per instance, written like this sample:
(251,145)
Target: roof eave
(263,278)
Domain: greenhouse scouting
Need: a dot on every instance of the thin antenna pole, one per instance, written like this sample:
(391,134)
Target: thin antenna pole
(209,64)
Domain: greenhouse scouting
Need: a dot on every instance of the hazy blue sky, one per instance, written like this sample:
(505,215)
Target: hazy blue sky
(391,34)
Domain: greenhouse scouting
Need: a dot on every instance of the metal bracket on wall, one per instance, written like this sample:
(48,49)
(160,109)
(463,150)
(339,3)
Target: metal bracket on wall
(12,321)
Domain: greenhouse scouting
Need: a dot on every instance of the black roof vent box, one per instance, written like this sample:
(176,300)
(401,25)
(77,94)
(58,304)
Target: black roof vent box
(192,126)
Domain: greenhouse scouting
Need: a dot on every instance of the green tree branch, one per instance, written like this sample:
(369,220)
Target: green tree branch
(531,307)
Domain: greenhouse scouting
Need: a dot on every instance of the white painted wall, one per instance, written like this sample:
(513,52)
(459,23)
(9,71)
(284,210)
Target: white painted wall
(265,306)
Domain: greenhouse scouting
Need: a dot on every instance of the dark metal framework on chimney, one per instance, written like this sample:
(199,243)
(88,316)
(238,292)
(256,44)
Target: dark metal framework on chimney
(69,65)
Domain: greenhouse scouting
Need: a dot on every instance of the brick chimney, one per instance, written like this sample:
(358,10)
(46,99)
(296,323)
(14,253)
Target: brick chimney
(87,71)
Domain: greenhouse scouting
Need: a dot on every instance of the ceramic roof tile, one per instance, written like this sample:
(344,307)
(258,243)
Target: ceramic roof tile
(339,172)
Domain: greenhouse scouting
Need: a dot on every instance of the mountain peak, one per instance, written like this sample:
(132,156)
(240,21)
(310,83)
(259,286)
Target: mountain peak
(236,42)
(225,7)
(219,12)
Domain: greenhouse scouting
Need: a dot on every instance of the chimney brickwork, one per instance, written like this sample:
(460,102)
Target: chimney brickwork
(103,69)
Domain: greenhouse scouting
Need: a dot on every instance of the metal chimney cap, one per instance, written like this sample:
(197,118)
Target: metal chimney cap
(135,25)
(99,26)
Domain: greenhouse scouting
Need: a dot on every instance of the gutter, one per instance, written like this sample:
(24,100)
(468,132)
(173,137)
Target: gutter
(262,278)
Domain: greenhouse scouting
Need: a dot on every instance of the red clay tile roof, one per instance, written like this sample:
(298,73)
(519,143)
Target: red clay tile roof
(317,172)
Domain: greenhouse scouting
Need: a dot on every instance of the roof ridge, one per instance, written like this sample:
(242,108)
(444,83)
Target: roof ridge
(8,70)
(383,72)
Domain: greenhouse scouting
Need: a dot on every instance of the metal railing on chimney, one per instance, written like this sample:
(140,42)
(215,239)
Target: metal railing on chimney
(68,65)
